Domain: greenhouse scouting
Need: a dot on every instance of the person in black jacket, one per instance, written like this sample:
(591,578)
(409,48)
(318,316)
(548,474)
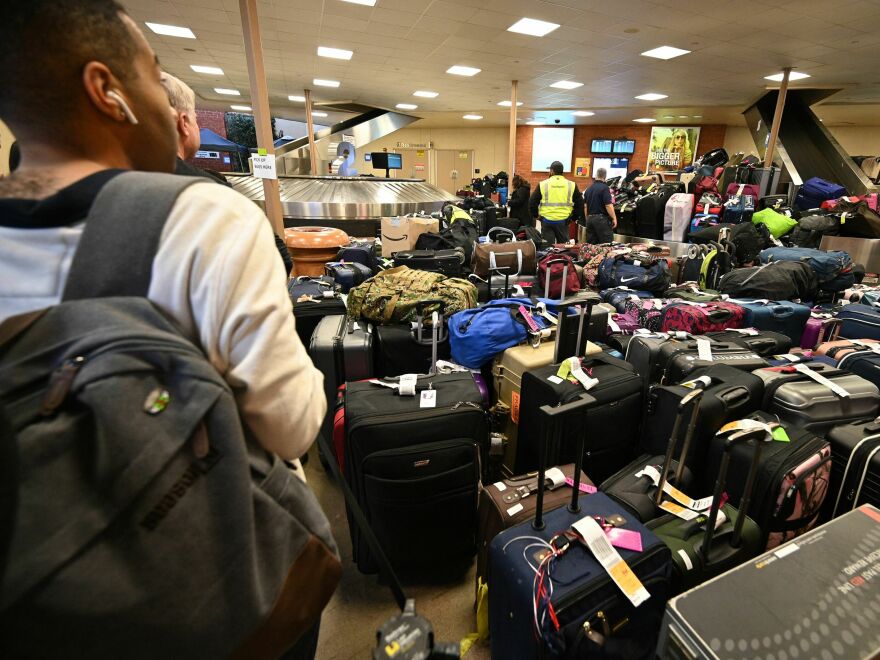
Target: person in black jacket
(518,202)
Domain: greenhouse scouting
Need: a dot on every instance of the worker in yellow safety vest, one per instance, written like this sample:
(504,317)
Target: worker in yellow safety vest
(556,202)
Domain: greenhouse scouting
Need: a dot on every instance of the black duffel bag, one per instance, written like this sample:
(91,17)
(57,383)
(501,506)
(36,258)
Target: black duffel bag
(778,280)
(448,262)
(460,234)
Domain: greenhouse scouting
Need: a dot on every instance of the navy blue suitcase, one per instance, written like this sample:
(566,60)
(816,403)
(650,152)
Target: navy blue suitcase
(347,274)
(594,617)
(313,298)
(859,322)
(619,295)
(782,316)
(862,363)
(361,254)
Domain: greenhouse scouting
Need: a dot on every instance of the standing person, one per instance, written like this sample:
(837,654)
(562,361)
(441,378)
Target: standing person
(86,110)
(189,140)
(556,201)
(518,202)
(599,210)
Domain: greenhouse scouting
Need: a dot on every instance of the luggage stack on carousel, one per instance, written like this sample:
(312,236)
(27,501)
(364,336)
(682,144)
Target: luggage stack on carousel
(602,427)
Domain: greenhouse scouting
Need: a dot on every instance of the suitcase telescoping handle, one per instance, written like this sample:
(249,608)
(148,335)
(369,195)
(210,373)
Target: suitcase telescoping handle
(547,276)
(760,436)
(562,320)
(553,426)
(693,399)
(504,231)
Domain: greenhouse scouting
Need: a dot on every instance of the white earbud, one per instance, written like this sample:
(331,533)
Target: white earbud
(123,106)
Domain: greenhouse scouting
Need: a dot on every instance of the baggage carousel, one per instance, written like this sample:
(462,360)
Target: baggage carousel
(353,204)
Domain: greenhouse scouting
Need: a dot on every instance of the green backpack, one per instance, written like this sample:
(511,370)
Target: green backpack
(400,295)
(778,224)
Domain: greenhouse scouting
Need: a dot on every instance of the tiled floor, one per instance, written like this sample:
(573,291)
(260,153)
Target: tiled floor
(360,604)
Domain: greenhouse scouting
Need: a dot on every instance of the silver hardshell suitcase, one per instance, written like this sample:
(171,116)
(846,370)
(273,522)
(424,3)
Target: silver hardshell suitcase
(818,397)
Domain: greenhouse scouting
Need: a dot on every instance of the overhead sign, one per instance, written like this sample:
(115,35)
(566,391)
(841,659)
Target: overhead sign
(264,167)
(672,148)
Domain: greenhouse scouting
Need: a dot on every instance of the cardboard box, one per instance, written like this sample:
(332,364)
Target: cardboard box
(401,233)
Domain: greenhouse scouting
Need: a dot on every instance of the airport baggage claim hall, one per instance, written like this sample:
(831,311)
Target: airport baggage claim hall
(409,329)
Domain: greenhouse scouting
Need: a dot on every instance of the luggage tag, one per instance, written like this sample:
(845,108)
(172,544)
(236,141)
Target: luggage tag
(749,332)
(530,321)
(582,487)
(593,536)
(681,498)
(704,381)
(428,398)
(819,378)
(704,349)
(572,367)
(678,510)
(613,324)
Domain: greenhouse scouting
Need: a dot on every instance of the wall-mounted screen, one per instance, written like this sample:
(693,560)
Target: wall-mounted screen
(624,146)
(382,160)
(549,144)
(395,161)
(613,166)
(601,146)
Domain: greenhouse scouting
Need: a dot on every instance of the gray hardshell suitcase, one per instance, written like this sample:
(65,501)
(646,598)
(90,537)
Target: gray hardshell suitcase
(816,596)
(797,394)
(342,349)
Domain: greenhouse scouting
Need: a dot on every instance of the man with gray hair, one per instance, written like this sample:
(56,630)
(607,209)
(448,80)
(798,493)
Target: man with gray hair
(599,210)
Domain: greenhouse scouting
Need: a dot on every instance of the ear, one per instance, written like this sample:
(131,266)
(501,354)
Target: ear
(97,80)
(183,129)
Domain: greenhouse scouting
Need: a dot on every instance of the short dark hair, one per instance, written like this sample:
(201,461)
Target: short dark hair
(556,167)
(39,79)
(14,157)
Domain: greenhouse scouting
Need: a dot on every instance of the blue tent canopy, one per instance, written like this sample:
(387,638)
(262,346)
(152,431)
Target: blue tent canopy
(211,141)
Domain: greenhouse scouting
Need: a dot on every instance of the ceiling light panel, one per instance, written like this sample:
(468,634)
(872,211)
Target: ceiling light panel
(406,106)
(228,92)
(368,3)
(506,104)
(665,52)
(794,75)
(335,53)
(583,113)
(532,27)
(426,95)
(213,70)
(472,117)
(241,108)
(645,120)
(535,123)
(297,98)
(651,96)
(567,84)
(171,30)
(458,70)
(321,82)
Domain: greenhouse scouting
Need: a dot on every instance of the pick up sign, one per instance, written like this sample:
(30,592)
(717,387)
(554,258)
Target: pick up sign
(264,166)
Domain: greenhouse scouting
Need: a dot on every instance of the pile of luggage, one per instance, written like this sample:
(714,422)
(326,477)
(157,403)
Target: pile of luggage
(731,191)
(603,426)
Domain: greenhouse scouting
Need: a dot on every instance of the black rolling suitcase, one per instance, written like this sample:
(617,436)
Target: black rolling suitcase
(448,262)
(614,423)
(855,467)
(341,349)
(635,487)
(763,342)
(313,298)
(413,461)
(409,349)
(578,610)
(728,394)
(701,546)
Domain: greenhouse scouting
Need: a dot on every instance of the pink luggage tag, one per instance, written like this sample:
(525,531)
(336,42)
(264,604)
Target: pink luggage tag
(530,321)
(583,488)
(627,539)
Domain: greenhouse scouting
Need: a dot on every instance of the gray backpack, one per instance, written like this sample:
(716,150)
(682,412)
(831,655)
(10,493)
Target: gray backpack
(148,523)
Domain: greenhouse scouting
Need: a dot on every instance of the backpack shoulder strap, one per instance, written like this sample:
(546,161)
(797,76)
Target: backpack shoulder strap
(121,235)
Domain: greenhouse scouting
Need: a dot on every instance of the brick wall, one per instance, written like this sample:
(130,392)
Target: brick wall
(711,136)
(215,121)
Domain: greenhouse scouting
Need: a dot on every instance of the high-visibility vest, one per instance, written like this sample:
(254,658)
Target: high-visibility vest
(460,214)
(557,198)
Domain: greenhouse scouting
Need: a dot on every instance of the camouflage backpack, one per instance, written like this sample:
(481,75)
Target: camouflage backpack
(394,296)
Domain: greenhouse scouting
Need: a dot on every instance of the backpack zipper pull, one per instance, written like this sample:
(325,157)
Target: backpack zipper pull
(60,383)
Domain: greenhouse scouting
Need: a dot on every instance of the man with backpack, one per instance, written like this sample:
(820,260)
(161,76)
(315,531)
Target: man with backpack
(167,382)
(556,201)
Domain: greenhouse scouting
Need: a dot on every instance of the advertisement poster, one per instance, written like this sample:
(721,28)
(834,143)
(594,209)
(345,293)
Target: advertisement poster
(582,167)
(672,148)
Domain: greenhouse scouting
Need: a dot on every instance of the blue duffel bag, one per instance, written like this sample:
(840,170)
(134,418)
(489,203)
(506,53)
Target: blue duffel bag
(834,268)
(782,316)
(815,191)
(617,297)
(629,271)
(859,322)
(477,335)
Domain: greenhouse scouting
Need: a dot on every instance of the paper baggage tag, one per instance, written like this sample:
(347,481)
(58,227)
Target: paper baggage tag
(819,378)
(582,487)
(704,349)
(555,476)
(572,367)
(527,315)
(428,399)
(515,509)
(618,570)
(501,486)
(678,510)
(791,357)
(681,498)
(613,324)
(744,424)
(704,381)
(407,385)
(556,380)
(651,472)
(751,332)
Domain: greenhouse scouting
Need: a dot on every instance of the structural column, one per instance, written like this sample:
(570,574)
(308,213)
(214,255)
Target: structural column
(777,117)
(512,147)
(310,127)
(253,48)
